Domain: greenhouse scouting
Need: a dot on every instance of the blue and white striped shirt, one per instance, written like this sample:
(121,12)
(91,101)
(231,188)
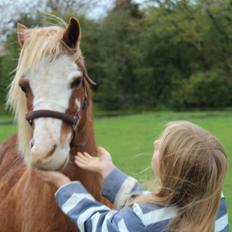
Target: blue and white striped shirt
(92,216)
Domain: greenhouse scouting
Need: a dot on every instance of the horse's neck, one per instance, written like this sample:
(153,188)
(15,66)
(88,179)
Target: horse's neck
(84,141)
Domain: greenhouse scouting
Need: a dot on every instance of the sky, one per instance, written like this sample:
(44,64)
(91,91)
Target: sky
(102,7)
(11,10)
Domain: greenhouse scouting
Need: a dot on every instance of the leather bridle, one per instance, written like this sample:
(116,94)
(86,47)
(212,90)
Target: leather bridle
(72,120)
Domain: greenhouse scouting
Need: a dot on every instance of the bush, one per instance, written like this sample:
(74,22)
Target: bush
(204,90)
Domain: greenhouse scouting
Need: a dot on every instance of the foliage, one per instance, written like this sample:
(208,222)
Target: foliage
(116,39)
(7,66)
(204,90)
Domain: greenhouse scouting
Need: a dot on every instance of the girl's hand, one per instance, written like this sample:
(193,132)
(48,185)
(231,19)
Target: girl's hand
(102,165)
(53,177)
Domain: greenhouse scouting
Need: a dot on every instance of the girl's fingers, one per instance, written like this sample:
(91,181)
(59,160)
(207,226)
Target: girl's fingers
(105,154)
(79,154)
(80,160)
(83,165)
(42,175)
(46,175)
(82,156)
(102,150)
(80,164)
(88,155)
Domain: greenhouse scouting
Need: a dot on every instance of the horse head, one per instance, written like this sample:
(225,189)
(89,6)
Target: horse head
(50,93)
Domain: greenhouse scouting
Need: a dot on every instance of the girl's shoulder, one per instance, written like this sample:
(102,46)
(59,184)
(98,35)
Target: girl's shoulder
(157,217)
(221,223)
(153,215)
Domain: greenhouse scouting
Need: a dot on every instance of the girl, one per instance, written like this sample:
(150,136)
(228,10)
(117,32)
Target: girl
(191,165)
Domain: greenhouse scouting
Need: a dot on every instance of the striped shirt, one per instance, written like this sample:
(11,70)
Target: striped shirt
(92,216)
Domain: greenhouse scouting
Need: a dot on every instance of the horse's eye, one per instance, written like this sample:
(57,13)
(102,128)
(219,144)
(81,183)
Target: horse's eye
(76,82)
(24,89)
(24,86)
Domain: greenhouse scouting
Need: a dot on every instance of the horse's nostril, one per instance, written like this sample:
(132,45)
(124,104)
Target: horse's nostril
(49,154)
(40,157)
(32,143)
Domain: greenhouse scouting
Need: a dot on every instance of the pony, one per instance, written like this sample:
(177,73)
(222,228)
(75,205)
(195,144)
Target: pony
(52,100)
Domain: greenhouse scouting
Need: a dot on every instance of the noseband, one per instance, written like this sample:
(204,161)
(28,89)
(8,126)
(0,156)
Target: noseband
(72,120)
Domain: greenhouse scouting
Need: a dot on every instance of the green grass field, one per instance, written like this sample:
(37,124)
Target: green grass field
(129,139)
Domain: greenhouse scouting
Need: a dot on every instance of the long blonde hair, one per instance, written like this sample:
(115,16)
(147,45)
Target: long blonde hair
(192,166)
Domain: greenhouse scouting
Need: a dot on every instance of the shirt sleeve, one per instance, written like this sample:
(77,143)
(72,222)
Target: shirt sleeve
(119,188)
(221,223)
(90,215)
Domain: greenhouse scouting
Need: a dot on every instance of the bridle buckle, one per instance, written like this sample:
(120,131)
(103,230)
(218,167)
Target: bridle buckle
(77,120)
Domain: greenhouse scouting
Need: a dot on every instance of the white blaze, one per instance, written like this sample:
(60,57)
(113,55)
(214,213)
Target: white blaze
(50,85)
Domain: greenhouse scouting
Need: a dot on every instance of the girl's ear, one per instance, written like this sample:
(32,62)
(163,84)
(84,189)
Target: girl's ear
(72,34)
(21,29)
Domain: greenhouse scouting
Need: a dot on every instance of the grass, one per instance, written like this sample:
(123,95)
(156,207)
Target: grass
(129,139)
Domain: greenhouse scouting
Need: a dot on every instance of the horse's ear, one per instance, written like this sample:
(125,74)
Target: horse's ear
(21,29)
(72,34)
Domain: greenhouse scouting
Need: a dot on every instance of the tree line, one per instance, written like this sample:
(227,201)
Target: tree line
(173,54)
